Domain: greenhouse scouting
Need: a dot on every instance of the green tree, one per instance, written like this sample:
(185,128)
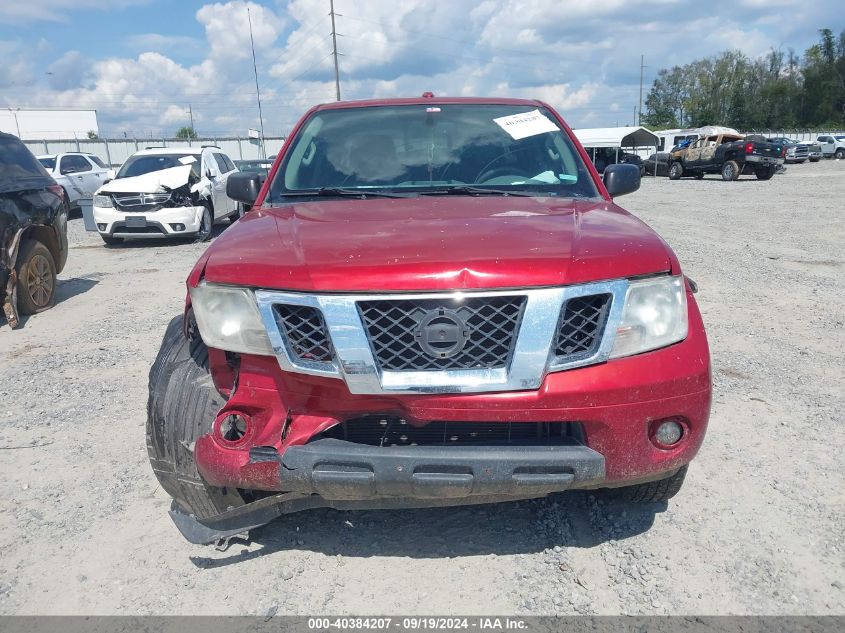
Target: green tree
(777,91)
(92,134)
(186,132)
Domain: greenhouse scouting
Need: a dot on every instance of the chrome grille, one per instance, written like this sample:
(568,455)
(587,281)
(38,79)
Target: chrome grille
(305,331)
(582,324)
(396,332)
(139,202)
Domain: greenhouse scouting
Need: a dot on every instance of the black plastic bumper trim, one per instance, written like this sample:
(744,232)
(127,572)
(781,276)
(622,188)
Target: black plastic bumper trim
(339,470)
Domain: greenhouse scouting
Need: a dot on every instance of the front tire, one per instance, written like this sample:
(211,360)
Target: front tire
(840,153)
(730,171)
(651,492)
(206,224)
(182,406)
(676,170)
(36,287)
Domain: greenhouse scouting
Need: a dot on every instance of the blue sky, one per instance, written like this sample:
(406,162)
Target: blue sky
(140,63)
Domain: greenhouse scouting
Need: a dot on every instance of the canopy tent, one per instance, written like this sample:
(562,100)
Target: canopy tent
(597,140)
(616,137)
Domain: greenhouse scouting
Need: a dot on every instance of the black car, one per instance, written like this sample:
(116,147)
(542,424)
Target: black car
(657,164)
(33,231)
(604,156)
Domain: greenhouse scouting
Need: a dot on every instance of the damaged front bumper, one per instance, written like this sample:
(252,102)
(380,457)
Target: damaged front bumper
(163,222)
(346,476)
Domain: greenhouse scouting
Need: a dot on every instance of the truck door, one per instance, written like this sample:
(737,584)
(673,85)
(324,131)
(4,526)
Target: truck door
(692,158)
(827,145)
(217,184)
(708,150)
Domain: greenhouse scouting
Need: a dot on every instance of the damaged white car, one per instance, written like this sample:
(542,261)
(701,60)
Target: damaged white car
(166,192)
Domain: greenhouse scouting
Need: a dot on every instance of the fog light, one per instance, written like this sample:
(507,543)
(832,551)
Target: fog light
(101,227)
(233,428)
(177,227)
(668,433)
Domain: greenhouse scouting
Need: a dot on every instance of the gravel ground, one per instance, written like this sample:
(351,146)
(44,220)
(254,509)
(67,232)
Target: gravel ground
(757,529)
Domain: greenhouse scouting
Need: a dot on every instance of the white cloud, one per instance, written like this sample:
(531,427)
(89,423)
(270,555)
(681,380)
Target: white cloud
(227,28)
(158,42)
(582,58)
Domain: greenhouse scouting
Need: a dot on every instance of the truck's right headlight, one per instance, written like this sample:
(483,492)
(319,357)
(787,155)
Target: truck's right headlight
(104,202)
(655,315)
(228,319)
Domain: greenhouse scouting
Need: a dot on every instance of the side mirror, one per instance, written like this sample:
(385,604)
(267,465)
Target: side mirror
(621,179)
(243,186)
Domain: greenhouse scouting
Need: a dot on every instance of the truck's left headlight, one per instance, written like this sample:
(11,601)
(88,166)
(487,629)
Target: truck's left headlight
(228,319)
(655,315)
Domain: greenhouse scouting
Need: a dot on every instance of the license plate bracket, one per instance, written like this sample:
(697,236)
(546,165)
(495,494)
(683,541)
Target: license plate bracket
(136,222)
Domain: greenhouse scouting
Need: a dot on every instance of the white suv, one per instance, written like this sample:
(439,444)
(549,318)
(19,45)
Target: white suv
(79,174)
(166,192)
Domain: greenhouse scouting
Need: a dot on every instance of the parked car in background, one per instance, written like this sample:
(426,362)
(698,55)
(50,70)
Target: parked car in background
(833,146)
(260,166)
(605,156)
(815,151)
(730,155)
(33,231)
(166,192)
(657,164)
(79,174)
(796,152)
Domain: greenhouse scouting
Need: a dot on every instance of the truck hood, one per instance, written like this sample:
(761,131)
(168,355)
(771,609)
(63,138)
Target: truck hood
(435,243)
(153,182)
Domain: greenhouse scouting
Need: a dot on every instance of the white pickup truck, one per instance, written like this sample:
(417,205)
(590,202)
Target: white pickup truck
(833,145)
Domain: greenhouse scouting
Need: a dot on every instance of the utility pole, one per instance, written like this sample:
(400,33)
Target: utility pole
(193,131)
(257,90)
(15,114)
(640,110)
(334,52)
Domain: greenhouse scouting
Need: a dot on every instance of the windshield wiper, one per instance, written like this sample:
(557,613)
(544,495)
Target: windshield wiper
(350,193)
(468,190)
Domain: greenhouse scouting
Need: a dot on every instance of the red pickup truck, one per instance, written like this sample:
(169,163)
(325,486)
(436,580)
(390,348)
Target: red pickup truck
(433,301)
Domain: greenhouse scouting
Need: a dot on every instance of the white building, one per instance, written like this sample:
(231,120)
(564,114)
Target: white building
(33,124)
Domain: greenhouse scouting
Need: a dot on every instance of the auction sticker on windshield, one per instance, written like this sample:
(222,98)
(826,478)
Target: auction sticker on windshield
(526,124)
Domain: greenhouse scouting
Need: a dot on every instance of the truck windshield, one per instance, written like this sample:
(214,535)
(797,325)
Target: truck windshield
(140,165)
(432,149)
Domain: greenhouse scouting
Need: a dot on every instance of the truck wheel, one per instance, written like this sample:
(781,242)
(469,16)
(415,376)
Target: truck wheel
(676,170)
(110,240)
(699,175)
(182,406)
(840,153)
(651,492)
(764,173)
(36,278)
(730,170)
